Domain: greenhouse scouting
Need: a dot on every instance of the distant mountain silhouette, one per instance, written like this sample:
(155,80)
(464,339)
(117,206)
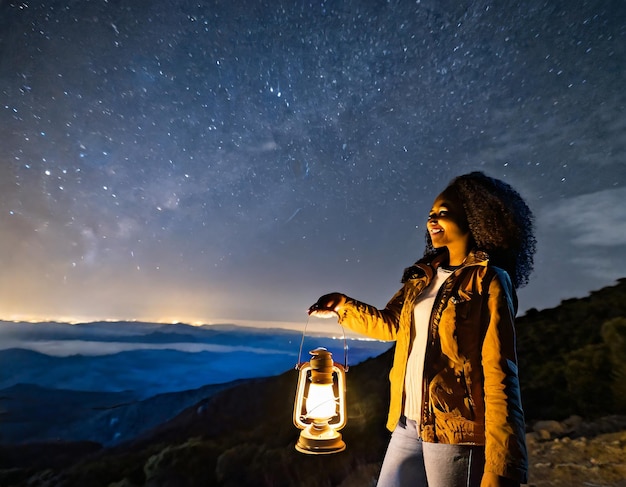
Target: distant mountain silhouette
(149,359)
(114,397)
(146,372)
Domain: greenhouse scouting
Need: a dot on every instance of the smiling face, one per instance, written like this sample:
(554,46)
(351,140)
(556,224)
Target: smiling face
(447,226)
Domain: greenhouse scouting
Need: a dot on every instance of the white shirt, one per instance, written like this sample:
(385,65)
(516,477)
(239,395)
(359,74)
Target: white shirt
(414,377)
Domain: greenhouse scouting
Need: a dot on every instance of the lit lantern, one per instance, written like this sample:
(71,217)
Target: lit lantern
(320,407)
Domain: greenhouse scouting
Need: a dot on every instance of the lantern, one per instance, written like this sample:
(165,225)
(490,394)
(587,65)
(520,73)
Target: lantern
(320,407)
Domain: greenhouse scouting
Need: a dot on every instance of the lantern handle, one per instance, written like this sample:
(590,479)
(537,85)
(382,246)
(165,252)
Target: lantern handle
(345,346)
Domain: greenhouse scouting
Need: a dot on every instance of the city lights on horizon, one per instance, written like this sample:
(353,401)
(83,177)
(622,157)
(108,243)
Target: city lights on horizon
(330,328)
(82,319)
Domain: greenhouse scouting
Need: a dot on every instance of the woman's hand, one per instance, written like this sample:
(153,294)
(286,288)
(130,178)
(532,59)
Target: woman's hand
(492,480)
(328,305)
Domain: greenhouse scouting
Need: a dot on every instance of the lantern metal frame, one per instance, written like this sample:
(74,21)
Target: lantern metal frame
(320,433)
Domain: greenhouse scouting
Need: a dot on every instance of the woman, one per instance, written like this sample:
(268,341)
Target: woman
(455,410)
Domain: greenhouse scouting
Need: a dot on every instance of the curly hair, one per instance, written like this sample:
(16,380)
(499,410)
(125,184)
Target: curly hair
(500,223)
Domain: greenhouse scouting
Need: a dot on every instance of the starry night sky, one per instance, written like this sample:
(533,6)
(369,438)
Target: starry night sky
(233,160)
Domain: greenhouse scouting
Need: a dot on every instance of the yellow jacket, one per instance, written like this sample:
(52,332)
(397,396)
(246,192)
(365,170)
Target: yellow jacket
(471,387)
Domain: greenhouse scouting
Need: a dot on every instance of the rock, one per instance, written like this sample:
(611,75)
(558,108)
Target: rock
(607,424)
(547,430)
(572,424)
(595,461)
(543,435)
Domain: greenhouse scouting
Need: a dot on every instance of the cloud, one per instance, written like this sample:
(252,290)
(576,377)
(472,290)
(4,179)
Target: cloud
(596,219)
(581,242)
(64,348)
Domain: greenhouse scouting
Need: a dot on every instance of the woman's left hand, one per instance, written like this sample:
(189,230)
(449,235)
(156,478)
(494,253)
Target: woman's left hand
(492,480)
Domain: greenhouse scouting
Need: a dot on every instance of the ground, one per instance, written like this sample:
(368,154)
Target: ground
(565,462)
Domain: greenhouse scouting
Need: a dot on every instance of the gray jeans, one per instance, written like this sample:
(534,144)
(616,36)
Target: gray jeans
(411,462)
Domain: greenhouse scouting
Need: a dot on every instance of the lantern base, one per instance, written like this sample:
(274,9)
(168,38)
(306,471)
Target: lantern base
(320,442)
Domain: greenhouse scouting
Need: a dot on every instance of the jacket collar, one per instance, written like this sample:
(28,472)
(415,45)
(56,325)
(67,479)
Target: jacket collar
(427,266)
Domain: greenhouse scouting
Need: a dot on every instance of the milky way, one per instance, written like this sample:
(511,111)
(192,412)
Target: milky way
(211,161)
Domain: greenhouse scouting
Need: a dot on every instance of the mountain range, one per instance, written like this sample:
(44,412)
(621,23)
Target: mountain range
(97,380)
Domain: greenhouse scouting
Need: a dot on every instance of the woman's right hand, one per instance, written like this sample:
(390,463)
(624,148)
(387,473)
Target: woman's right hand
(328,305)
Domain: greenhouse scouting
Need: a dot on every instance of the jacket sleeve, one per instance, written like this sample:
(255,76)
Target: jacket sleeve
(370,321)
(505,446)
